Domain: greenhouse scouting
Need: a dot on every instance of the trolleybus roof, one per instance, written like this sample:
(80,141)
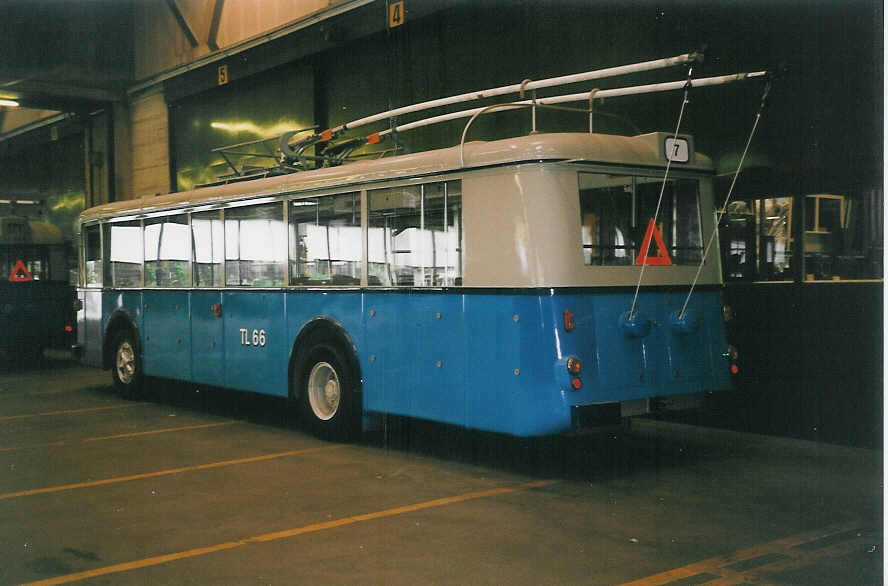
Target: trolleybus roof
(637,151)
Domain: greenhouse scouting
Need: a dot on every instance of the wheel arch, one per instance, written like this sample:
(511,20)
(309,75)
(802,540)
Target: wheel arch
(120,319)
(321,328)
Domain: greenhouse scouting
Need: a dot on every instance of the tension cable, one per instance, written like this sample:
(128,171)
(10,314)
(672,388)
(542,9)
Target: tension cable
(684,103)
(724,207)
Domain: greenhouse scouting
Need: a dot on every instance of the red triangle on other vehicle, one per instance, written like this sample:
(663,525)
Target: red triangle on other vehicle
(20,273)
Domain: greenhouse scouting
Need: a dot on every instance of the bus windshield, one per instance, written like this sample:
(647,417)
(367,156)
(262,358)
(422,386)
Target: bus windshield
(615,211)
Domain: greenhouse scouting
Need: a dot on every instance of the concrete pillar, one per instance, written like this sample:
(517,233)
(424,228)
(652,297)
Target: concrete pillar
(149,135)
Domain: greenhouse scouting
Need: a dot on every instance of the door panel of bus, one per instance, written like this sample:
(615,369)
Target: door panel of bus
(166,334)
(256,341)
(417,341)
(207,335)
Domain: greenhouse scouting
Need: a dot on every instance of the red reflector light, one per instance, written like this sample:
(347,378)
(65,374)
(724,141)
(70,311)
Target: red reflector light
(735,369)
(576,383)
(568,320)
(69,328)
(573,365)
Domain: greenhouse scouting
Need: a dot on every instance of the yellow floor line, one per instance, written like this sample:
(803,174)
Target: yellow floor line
(191,553)
(67,412)
(57,444)
(717,566)
(119,479)
(159,431)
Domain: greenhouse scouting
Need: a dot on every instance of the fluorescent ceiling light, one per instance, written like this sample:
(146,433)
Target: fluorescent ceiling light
(10,103)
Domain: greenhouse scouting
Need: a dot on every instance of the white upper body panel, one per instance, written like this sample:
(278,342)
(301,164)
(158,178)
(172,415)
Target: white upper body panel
(521,206)
(643,151)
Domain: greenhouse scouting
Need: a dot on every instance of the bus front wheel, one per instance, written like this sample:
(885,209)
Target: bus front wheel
(126,367)
(327,393)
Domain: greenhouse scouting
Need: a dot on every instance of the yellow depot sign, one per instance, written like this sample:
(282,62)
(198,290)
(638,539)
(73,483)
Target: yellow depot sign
(396,14)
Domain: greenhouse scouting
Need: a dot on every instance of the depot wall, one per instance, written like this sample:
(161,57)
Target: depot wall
(161,43)
(819,133)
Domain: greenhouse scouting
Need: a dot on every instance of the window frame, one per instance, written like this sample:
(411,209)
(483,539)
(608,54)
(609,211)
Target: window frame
(284,200)
(635,222)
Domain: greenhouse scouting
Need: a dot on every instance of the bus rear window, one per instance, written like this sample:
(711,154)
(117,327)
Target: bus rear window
(615,212)
(92,256)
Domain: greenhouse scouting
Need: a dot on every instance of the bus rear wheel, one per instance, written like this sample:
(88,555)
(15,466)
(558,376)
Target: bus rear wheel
(126,366)
(328,393)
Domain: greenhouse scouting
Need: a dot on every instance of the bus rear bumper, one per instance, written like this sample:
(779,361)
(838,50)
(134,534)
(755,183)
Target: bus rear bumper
(608,414)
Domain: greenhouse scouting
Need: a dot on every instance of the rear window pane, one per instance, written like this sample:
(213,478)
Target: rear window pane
(615,211)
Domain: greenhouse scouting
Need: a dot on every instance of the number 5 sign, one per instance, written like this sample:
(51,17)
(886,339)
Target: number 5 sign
(396,14)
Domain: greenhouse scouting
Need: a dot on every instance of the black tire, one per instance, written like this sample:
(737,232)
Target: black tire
(126,365)
(328,393)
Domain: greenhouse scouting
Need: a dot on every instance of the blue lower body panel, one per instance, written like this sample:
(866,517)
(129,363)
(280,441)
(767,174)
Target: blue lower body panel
(491,360)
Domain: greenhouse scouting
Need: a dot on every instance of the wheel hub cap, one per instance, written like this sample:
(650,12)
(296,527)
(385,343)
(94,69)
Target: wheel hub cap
(324,392)
(126,363)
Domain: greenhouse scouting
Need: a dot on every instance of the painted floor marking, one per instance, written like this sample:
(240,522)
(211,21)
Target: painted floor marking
(170,472)
(39,393)
(159,431)
(316,527)
(67,412)
(119,436)
(739,567)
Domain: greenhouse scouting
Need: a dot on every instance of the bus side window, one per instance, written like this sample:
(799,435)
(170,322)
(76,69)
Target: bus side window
(124,266)
(167,252)
(255,246)
(208,237)
(442,206)
(415,235)
(92,255)
(325,240)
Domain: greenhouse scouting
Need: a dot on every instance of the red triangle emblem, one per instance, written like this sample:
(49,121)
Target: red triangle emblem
(662,257)
(20,273)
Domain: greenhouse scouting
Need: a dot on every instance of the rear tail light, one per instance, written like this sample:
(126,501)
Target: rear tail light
(576,383)
(69,328)
(733,356)
(568,320)
(732,353)
(573,365)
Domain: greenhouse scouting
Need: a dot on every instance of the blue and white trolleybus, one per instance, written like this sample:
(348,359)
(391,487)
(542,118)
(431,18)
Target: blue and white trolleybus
(490,285)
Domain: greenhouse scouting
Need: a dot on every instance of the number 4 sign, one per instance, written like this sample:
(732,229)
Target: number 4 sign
(396,14)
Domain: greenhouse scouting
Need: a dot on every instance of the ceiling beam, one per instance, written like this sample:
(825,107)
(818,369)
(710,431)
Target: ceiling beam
(65,91)
(212,42)
(183,23)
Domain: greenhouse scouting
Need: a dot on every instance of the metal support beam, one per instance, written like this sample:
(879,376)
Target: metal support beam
(214,25)
(183,24)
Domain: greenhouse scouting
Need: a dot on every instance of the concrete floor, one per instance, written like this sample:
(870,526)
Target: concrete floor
(212,487)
